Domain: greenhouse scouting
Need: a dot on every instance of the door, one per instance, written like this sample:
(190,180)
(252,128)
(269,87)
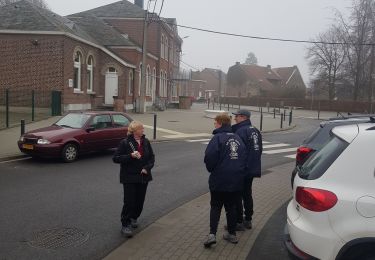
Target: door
(111,86)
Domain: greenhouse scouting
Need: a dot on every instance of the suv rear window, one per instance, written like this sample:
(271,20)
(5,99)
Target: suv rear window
(317,164)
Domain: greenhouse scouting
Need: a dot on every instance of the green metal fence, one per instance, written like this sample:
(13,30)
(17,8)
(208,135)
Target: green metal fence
(30,105)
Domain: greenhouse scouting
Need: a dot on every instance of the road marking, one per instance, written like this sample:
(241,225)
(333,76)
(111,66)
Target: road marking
(286,150)
(205,142)
(182,135)
(274,145)
(265,142)
(15,160)
(292,156)
(163,130)
(198,140)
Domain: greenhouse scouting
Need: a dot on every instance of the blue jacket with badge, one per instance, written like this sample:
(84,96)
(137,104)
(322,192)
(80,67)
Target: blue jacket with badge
(225,158)
(253,142)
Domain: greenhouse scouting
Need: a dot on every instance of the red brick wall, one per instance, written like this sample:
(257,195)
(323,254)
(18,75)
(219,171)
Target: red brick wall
(24,65)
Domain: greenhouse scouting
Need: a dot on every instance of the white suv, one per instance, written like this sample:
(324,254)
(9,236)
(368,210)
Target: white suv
(332,213)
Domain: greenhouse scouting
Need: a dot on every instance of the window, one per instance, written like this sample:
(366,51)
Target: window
(161,88)
(90,74)
(77,71)
(162,47)
(165,85)
(318,163)
(131,83)
(166,46)
(148,81)
(101,121)
(153,85)
(73,120)
(120,120)
(140,79)
(171,56)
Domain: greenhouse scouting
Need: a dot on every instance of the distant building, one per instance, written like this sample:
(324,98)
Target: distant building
(206,83)
(253,80)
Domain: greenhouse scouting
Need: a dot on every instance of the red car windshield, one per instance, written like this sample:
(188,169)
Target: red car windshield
(73,120)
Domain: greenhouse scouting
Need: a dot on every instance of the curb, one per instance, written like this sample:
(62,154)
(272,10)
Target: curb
(279,130)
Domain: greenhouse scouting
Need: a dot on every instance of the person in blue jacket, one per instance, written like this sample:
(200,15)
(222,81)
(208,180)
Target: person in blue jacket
(253,142)
(225,159)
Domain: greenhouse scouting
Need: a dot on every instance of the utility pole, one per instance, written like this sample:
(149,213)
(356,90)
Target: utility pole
(219,88)
(142,98)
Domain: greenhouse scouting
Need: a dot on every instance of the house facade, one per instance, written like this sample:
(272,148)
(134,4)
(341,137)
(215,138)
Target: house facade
(91,57)
(206,83)
(253,80)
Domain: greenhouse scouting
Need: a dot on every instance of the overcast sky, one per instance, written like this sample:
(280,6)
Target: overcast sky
(289,19)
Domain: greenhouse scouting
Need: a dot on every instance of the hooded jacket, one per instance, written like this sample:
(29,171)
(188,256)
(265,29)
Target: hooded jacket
(130,168)
(253,142)
(225,159)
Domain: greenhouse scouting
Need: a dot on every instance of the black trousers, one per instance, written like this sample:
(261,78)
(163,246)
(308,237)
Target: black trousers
(245,201)
(229,200)
(134,197)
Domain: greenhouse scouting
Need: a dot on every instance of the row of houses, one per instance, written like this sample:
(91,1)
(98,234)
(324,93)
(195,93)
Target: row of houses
(244,80)
(91,56)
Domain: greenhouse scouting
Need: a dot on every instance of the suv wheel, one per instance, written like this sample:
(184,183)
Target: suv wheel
(69,152)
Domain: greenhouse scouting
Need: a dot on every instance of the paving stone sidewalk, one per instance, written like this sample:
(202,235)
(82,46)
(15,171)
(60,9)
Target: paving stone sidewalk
(180,234)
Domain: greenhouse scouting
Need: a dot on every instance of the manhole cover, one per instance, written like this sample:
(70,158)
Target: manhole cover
(173,121)
(59,238)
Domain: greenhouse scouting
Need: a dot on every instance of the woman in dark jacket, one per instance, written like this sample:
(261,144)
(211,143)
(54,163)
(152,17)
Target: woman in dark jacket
(136,160)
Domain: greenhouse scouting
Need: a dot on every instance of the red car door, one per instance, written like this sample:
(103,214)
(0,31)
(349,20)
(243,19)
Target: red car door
(100,133)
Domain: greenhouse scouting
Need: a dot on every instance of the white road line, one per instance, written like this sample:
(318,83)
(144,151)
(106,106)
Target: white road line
(292,156)
(181,135)
(274,145)
(286,150)
(205,142)
(265,142)
(197,140)
(15,160)
(163,130)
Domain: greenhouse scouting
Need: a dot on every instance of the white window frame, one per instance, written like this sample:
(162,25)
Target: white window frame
(162,47)
(90,76)
(148,81)
(166,48)
(139,79)
(130,83)
(77,65)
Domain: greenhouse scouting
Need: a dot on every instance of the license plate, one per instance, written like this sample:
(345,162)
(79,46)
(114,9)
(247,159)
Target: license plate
(28,146)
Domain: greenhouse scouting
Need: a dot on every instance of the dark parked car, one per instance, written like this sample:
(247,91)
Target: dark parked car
(321,135)
(76,133)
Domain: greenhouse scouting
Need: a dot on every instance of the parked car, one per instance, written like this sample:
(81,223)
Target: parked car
(76,133)
(321,135)
(332,213)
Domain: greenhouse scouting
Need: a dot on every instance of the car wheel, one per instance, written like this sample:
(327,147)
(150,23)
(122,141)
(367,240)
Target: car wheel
(69,152)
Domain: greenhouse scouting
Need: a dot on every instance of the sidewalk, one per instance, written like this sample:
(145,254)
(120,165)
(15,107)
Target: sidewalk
(172,124)
(180,234)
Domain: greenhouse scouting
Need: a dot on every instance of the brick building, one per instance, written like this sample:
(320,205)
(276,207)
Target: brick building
(206,83)
(253,80)
(91,56)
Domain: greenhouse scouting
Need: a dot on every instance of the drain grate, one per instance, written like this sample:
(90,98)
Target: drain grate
(59,238)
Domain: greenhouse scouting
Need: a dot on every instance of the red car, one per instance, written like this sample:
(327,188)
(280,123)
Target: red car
(76,133)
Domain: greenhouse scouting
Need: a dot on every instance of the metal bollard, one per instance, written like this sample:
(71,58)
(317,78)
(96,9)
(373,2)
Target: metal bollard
(228,107)
(281,121)
(290,117)
(22,126)
(284,114)
(261,121)
(274,112)
(155,118)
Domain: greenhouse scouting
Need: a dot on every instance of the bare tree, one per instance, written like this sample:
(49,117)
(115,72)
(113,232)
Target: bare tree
(40,3)
(358,32)
(326,59)
(251,59)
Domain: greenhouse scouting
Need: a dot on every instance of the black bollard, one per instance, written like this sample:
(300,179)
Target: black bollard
(155,118)
(281,121)
(22,126)
(290,117)
(261,121)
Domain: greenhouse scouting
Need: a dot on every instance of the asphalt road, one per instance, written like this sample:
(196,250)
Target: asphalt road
(53,210)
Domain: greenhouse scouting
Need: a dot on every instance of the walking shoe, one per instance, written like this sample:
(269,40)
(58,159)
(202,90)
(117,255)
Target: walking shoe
(133,223)
(230,238)
(247,224)
(211,239)
(127,231)
(239,227)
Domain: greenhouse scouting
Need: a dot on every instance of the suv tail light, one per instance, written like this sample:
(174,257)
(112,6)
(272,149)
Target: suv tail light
(302,153)
(316,200)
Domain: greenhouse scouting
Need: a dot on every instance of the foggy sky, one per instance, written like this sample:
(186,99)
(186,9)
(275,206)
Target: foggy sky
(288,19)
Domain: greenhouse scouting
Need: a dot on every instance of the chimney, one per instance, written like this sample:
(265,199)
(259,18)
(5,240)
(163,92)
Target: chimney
(268,66)
(237,63)
(139,3)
